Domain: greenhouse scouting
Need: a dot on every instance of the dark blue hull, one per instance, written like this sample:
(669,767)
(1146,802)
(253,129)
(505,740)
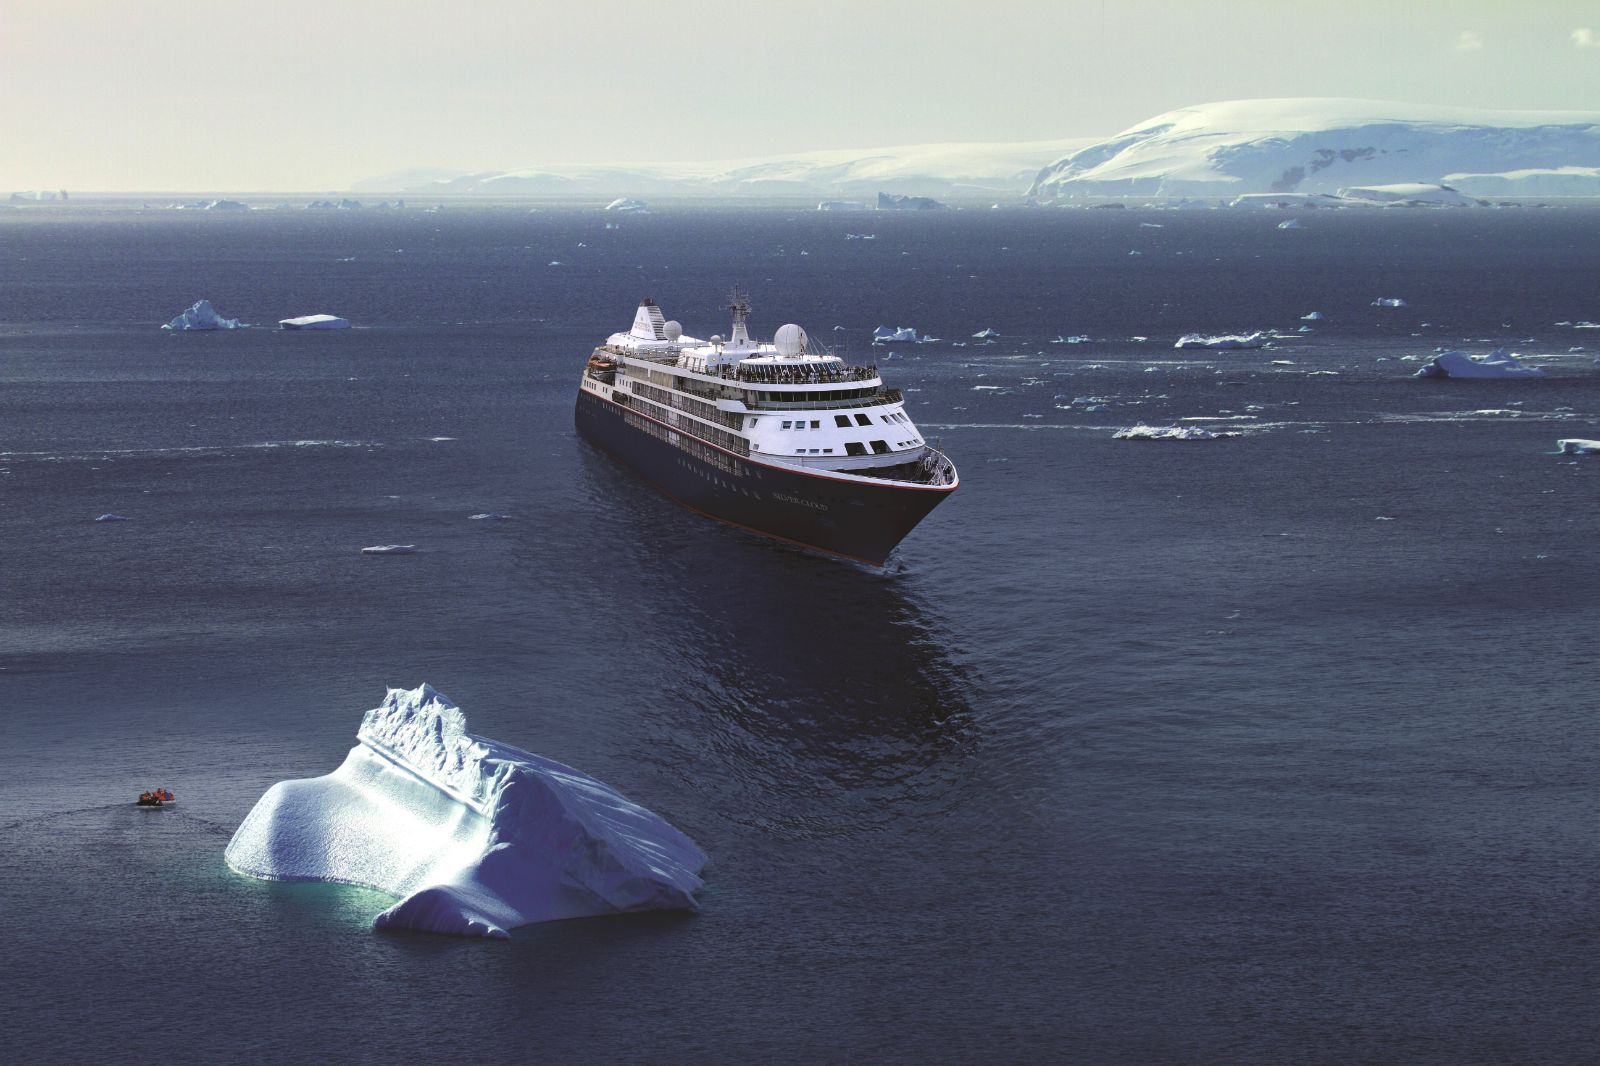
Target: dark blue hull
(861,520)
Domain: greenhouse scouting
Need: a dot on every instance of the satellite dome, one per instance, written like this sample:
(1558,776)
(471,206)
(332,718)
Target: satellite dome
(715,339)
(673,331)
(790,340)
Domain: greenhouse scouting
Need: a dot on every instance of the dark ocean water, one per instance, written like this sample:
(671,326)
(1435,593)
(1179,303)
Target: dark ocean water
(1273,749)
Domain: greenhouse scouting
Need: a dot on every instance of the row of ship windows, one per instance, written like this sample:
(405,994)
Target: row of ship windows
(842,421)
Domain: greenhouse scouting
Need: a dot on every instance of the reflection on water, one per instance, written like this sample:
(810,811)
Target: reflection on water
(782,675)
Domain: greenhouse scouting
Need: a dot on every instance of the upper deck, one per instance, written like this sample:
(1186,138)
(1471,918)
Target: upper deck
(780,401)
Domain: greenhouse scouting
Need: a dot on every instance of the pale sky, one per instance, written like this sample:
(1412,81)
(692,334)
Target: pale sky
(145,95)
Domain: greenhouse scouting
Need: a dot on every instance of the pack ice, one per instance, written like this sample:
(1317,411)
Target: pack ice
(201,316)
(475,837)
(1225,343)
(1497,364)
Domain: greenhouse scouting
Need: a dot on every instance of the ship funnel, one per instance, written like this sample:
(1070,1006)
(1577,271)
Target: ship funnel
(648,322)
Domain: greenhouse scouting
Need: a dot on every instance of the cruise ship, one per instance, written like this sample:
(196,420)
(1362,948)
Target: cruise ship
(780,438)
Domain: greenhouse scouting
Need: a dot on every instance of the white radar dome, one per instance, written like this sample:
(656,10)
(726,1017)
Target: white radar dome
(790,340)
(673,331)
(715,339)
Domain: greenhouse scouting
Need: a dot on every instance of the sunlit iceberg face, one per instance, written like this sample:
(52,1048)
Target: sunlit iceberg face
(475,837)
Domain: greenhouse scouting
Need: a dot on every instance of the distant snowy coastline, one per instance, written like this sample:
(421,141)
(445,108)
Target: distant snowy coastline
(1320,145)
(952,169)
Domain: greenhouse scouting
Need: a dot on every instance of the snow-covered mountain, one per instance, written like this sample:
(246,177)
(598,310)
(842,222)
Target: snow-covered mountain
(921,170)
(1314,145)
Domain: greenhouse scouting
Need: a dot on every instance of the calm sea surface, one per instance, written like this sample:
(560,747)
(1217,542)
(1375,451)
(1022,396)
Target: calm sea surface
(1272,749)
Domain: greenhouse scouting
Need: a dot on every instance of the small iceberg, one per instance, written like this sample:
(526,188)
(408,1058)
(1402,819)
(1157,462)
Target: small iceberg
(1497,364)
(390,549)
(314,322)
(490,516)
(1082,338)
(473,836)
(888,201)
(201,316)
(1290,223)
(1578,446)
(1315,316)
(1225,343)
(908,334)
(841,205)
(625,206)
(985,334)
(112,518)
(860,236)
(1144,432)
(1388,301)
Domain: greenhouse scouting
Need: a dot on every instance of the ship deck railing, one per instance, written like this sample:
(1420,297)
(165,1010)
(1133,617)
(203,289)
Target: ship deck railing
(756,375)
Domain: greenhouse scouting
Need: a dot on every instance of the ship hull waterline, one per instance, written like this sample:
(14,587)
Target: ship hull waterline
(863,521)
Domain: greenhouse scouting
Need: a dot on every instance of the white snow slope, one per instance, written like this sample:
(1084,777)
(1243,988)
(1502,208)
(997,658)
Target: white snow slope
(918,170)
(1556,181)
(1316,144)
(474,836)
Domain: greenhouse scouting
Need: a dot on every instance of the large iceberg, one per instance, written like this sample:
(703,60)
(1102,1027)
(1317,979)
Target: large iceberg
(1497,364)
(890,201)
(475,837)
(201,316)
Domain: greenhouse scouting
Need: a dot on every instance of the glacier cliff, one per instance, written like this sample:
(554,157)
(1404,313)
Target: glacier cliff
(475,837)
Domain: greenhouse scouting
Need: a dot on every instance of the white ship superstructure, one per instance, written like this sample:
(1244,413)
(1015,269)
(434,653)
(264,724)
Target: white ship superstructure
(756,410)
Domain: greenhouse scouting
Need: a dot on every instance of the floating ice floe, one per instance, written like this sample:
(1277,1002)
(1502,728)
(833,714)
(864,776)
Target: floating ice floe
(1290,223)
(1315,316)
(314,322)
(390,549)
(841,205)
(474,836)
(1224,343)
(1578,446)
(1388,301)
(1497,364)
(884,334)
(490,516)
(1144,432)
(112,518)
(201,316)
(1082,338)
(860,236)
(623,205)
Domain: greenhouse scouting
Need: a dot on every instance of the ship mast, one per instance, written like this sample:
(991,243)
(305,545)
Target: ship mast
(739,305)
